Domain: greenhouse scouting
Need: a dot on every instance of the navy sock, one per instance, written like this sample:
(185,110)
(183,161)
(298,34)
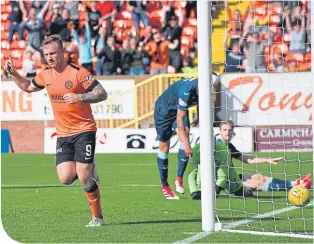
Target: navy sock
(162,161)
(182,161)
(278,185)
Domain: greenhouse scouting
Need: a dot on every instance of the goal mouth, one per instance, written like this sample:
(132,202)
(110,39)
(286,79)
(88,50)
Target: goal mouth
(265,61)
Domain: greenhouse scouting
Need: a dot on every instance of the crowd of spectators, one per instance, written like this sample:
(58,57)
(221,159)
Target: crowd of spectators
(153,37)
(108,37)
(271,36)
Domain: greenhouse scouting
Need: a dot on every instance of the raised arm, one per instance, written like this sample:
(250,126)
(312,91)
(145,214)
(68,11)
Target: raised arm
(23,83)
(23,9)
(303,19)
(75,35)
(44,9)
(257,160)
(226,39)
(88,33)
(288,21)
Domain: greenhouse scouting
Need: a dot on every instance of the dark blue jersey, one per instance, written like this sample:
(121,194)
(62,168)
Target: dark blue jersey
(181,94)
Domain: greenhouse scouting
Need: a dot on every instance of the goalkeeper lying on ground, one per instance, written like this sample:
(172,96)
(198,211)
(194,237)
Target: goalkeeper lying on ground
(226,177)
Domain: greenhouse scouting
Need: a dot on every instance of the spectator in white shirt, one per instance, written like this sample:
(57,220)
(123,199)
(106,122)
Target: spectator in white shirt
(29,67)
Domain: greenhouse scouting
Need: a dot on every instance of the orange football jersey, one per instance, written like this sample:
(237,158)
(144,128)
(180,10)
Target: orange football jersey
(71,119)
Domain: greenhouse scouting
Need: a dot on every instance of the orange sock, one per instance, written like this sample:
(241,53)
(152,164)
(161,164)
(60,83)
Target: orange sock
(94,203)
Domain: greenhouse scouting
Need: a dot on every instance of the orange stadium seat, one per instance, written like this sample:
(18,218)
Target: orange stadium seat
(282,48)
(18,44)
(122,23)
(179,4)
(266,55)
(307,57)
(260,9)
(5,54)
(152,6)
(275,8)
(286,38)
(4,17)
(155,18)
(6,9)
(17,54)
(274,19)
(191,22)
(184,50)
(4,35)
(156,14)
(189,31)
(5,26)
(18,63)
(271,67)
(118,23)
(180,11)
(5,44)
(187,40)
(306,66)
(294,57)
(124,15)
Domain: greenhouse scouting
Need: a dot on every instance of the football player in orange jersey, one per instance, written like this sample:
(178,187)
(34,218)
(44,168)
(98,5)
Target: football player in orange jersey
(71,90)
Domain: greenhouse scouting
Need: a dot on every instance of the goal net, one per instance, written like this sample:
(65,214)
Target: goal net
(263,51)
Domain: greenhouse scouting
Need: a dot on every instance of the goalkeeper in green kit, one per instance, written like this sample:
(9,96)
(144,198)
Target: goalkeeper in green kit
(227,178)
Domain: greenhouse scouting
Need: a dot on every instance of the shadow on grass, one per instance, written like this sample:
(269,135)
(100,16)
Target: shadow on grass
(195,220)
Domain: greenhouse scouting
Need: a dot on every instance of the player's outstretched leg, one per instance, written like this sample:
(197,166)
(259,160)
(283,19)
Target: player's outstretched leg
(95,174)
(93,196)
(182,163)
(92,193)
(162,161)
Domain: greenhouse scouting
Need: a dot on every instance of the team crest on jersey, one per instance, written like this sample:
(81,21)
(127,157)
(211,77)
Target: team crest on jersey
(89,78)
(68,84)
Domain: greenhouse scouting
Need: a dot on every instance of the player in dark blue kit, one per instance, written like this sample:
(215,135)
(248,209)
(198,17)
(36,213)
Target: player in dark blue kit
(172,106)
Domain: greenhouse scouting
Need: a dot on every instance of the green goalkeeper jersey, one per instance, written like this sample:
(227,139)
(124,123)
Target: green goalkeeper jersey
(226,176)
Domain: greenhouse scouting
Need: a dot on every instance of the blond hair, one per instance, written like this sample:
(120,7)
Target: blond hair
(53,39)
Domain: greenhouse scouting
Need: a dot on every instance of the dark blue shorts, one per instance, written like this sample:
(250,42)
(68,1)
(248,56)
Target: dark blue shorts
(165,122)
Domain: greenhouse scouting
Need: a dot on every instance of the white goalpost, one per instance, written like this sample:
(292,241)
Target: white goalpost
(257,101)
(206,114)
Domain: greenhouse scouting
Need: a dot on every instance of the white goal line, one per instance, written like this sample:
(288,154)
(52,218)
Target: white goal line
(262,233)
(228,228)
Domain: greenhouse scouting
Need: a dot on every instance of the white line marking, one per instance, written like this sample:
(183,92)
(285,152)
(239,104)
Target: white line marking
(60,185)
(271,234)
(196,237)
(114,164)
(261,216)
(201,235)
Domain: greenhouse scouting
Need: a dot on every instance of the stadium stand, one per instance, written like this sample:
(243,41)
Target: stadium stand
(248,22)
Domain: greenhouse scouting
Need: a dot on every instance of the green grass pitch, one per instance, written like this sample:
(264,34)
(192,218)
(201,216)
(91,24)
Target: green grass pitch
(37,208)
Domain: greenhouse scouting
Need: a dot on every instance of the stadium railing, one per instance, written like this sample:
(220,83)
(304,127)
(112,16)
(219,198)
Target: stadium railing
(145,95)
